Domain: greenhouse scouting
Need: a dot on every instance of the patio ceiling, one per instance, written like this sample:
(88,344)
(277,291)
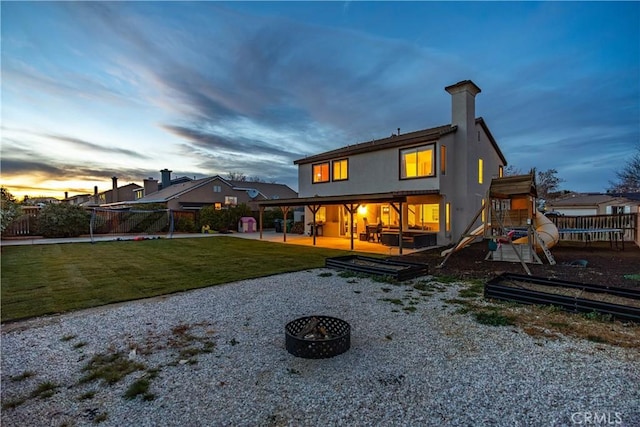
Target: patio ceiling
(392,197)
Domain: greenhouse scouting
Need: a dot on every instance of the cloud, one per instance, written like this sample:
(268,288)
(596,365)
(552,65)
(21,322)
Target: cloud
(232,90)
(95,147)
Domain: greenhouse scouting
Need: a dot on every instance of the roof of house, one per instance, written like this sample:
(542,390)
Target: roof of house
(265,190)
(590,199)
(395,141)
(130,186)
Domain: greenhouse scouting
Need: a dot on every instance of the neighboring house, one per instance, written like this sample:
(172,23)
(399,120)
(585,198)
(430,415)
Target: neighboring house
(117,194)
(78,199)
(577,204)
(433,180)
(39,201)
(216,191)
(151,185)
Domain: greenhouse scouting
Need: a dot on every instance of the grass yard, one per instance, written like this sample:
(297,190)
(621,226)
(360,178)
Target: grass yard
(47,279)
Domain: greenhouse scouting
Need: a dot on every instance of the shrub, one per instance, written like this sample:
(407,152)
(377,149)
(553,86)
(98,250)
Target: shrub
(223,219)
(9,209)
(62,220)
(186,225)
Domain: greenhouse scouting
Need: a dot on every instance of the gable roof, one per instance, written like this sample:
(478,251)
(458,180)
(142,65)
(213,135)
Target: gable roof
(267,190)
(173,191)
(394,141)
(480,121)
(583,200)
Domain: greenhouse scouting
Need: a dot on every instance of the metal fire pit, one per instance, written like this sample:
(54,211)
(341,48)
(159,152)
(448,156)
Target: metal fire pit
(317,337)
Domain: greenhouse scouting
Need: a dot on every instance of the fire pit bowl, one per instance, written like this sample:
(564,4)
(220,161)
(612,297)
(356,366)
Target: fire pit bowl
(317,337)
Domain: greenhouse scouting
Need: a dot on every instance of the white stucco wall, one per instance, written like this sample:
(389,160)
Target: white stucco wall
(375,172)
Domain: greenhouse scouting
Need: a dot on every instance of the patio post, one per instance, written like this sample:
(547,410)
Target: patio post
(261,209)
(314,210)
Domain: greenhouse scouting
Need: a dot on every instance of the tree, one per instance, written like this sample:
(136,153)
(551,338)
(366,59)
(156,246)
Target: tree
(628,178)
(236,176)
(9,209)
(512,171)
(547,183)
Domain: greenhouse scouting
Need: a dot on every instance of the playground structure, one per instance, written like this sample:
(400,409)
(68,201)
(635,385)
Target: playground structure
(516,231)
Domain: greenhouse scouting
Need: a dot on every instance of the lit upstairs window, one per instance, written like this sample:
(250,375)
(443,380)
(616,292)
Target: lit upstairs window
(500,171)
(480,171)
(340,170)
(416,162)
(320,173)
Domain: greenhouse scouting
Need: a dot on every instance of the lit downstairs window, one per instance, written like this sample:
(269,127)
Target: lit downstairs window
(321,172)
(340,170)
(416,162)
(447,217)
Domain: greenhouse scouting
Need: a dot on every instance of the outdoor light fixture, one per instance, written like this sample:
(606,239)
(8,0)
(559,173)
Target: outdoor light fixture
(362,210)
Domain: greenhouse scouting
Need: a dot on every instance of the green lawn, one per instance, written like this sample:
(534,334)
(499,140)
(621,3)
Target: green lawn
(47,279)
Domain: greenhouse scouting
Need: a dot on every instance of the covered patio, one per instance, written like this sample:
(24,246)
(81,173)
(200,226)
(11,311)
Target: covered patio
(340,243)
(350,203)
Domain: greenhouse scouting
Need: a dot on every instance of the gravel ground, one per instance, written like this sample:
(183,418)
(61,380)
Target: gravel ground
(217,357)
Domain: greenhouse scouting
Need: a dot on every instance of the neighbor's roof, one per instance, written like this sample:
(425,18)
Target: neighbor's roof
(173,191)
(267,190)
(396,141)
(582,200)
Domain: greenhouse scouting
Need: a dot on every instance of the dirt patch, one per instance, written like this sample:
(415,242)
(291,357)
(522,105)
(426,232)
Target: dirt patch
(605,265)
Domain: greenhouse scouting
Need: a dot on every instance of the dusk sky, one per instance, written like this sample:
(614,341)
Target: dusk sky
(93,90)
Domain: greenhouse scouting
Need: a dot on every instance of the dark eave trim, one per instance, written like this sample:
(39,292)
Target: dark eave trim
(395,141)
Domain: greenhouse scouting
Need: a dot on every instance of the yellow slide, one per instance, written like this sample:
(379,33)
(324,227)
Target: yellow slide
(547,231)
(467,240)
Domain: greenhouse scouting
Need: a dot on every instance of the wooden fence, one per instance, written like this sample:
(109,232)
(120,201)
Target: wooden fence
(628,223)
(25,224)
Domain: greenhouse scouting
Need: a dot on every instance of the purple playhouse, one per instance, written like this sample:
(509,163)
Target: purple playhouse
(247,224)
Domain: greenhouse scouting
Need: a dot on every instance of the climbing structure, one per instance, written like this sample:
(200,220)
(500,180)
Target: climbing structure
(515,230)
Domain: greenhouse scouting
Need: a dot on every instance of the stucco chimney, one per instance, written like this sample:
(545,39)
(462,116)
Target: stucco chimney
(166,177)
(150,186)
(465,152)
(114,193)
(463,104)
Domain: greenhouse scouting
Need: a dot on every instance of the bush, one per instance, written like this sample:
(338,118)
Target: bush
(223,219)
(62,220)
(9,209)
(186,225)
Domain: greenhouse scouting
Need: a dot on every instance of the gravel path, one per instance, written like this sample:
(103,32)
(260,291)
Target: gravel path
(216,357)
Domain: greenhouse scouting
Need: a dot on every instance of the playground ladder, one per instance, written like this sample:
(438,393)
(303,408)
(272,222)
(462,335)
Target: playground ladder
(547,252)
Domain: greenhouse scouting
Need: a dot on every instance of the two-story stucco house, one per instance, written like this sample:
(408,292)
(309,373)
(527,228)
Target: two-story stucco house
(430,181)
(214,191)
